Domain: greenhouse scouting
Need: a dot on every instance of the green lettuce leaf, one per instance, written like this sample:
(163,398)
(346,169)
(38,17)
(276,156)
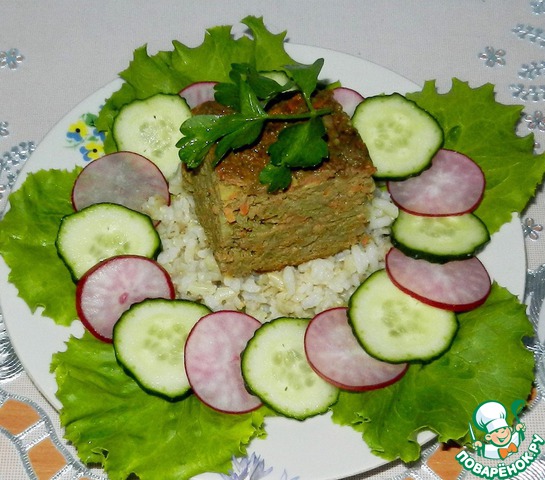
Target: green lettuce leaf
(483,129)
(487,361)
(27,243)
(113,422)
(171,71)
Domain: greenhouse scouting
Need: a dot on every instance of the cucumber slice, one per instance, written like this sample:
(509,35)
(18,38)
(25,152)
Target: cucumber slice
(279,76)
(276,369)
(394,327)
(151,128)
(102,231)
(439,239)
(149,342)
(401,137)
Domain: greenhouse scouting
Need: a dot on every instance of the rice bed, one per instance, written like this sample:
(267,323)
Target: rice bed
(296,291)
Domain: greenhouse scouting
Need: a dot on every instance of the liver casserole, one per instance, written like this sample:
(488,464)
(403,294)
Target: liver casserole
(324,211)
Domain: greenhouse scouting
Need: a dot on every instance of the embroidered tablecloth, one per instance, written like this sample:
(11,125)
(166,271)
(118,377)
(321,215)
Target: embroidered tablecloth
(54,54)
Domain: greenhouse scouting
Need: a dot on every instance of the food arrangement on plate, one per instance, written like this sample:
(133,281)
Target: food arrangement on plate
(260,242)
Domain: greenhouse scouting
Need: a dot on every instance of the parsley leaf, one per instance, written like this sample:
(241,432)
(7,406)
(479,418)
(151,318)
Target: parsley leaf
(306,77)
(200,133)
(249,102)
(277,177)
(246,133)
(300,145)
(249,92)
(263,85)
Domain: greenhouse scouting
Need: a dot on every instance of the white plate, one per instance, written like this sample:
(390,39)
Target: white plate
(315,449)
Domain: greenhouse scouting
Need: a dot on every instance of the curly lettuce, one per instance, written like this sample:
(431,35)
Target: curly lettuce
(27,243)
(487,360)
(170,71)
(113,422)
(483,129)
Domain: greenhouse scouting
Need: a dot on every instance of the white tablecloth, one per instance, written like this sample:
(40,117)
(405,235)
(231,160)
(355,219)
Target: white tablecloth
(53,54)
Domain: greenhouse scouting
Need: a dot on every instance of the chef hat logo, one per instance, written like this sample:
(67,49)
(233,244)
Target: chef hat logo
(489,416)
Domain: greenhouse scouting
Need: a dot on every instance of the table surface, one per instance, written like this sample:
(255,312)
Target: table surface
(54,54)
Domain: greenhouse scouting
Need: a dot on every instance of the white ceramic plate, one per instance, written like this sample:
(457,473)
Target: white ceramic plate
(315,449)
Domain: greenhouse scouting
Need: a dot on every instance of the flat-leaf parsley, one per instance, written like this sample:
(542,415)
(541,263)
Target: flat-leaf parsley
(248,94)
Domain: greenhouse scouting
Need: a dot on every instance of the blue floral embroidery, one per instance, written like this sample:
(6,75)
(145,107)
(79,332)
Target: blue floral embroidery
(538,7)
(247,468)
(535,121)
(530,33)
(83,135)
(532,70)
(11,163)
(285,476)
(4,132)
(251,468)
(492,57)
(10,58)
(18,154)
(531,229)
(530,93)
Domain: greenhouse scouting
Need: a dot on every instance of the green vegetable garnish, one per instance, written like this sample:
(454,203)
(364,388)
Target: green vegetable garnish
(171,71)
(484,130)
(27,243)
(487,360)
(301,145)
(112,421)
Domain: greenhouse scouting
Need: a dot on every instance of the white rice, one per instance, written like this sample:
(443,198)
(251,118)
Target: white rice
(301,291)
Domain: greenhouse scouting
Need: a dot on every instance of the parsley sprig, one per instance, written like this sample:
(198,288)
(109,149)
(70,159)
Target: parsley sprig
(248,94)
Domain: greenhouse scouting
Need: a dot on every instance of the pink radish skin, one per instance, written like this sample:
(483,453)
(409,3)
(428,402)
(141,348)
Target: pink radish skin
(112,286)
(212,361)
(458,285)
(198,93)
(453,185)
(348,98)
(335,355)
(125,178)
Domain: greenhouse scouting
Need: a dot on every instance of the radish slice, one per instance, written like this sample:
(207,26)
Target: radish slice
(458,285)
(335,354)
(212,361)
(198,93)
(125,178)
(112,286)
(453,185)
(348,98)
